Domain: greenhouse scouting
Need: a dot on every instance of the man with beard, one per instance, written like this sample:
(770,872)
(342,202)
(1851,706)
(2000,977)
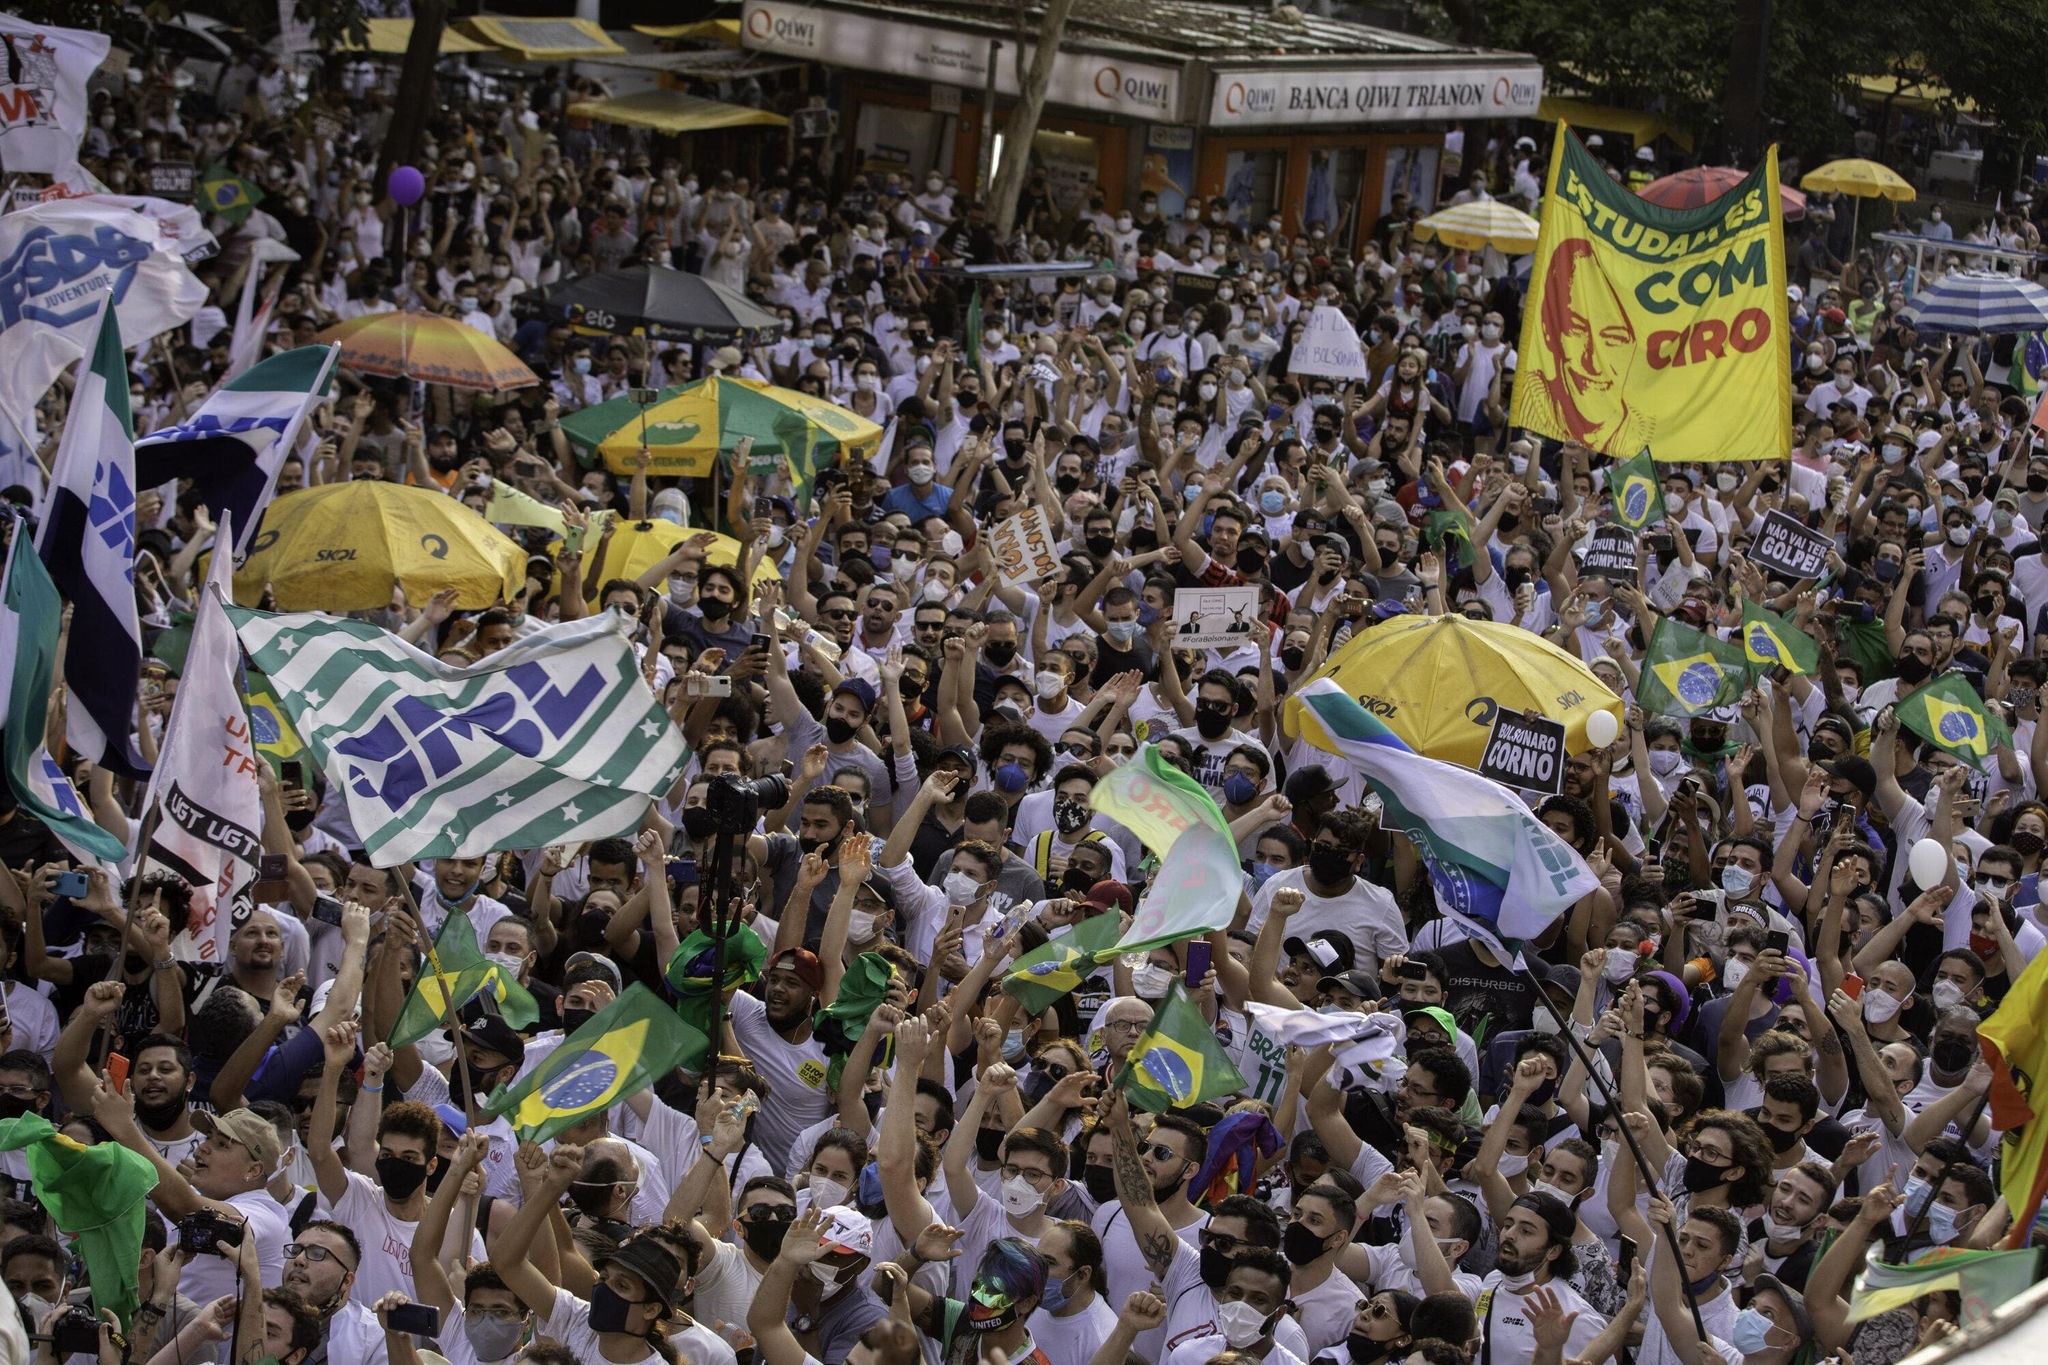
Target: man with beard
(774,1031)
(320,1267)
(160,1077)
(1214,733)
(405,1138)
(1535,1249)
(1785,1240)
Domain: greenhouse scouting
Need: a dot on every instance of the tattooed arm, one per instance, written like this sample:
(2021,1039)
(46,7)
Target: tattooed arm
(1155,1236)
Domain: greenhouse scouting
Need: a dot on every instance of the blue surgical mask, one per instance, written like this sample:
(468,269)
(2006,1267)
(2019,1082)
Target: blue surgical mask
(1736,880)
(1752,1332)
(1055,1296)
(1238,789)
(1272,502)
(582,364)
(1941,1224)
(1918,1193)
(1261,871)
(1011,777)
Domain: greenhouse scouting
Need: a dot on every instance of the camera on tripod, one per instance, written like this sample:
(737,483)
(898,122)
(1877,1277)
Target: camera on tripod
(735,803)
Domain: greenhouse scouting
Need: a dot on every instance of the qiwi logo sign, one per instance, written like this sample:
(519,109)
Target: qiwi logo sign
(764,25)
(1238,100)
(1150,91)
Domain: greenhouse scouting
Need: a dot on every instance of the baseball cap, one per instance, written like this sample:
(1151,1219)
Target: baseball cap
(1305,784)
(803,962)
(847,1229)
(597,967)
(1331,950)
(493,1034)
(1111,895)
(1555,1213)
(246,1129)
(2007,497)
(457,1121)
(726,358)
(654,1264)
(1854,769)
(1357,982)
(960,754)
(860,688)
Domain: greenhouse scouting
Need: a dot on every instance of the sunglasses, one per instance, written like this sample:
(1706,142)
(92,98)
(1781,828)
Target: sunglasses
(1161,1152)
(840,614)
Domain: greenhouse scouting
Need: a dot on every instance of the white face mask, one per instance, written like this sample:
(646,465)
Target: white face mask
(1879,1006)
(1733,971)
(507,963)
(825,1275)
(1049,684)
(1947,995)
(1019,1199)
(826,1192)
(920,473)
(1781,1232)
(960,888)
(1664,762)
(1151,981)
(1240,1323)
(1621,965)
(1512,1165)
(860,926)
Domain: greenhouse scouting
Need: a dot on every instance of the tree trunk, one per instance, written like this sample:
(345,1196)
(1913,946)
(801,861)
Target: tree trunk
(1742,106)
(1023,125)
(416,92)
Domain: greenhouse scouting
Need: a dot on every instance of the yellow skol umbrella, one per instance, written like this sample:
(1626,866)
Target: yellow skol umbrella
(341,547)
(687,428)
(1483,223)
(638,546)
(1438,681)
(428,347)
(1859,177)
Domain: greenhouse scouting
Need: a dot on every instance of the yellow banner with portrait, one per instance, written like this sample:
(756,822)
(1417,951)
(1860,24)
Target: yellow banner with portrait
(1653,327)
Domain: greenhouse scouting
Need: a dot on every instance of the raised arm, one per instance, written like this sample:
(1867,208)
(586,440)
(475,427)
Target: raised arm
(1155,1236)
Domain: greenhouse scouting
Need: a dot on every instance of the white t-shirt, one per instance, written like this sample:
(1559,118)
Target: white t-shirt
(795,1073)
(568,1321)
(1203,1349)
(386,1241)
(725,1286)
(213,1277)
(1072,1340)
(1124,1270)
(1327,1311)
(1366,913)
(1504,1324)
(355,1334)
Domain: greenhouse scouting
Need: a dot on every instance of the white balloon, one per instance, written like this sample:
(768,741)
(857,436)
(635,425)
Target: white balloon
(1601,728)
(1928,862)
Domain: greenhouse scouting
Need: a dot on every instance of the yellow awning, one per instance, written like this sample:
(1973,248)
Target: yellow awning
(1634,123)
(1916,95)
(725,31)
(390,38)
(670,111)
(542,40)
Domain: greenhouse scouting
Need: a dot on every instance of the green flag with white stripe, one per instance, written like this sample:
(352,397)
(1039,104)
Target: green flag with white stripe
(555,739)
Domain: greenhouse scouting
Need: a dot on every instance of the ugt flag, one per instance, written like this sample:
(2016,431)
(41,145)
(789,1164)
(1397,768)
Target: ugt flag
(554,740)
(29,616)
(43,71)
(88,542)
(1649,326)
(1498,870)
(209,830)
(60,259)
(1200,879)
(234,445)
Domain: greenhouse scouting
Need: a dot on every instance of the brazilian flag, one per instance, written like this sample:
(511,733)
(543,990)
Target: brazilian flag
(223,192)
(454,974)
(623,1049)
(1444,522)
(1768,639)
(1056,968)
(1949,714)
(1638,496)
(840,1024)
(689,975)
(97,1195)
(1177,1062)
(1688,672)
(269,726)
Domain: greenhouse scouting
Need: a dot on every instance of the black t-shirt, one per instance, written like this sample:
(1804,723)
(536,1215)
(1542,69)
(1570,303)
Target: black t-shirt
(930,843)
(1110,661)
(1476,990)
(1283,573)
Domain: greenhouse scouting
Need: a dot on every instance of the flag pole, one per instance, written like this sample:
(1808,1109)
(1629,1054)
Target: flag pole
(433,961)
(1519,966)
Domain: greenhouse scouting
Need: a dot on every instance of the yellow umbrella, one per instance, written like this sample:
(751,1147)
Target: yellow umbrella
(1861,178)
(1483,223)
(341,547)
(638,546)
(429,348)
(1438,681)
(687,428)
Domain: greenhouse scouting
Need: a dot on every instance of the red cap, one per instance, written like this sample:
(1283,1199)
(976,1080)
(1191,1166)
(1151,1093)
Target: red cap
(1111,895)
(803,962)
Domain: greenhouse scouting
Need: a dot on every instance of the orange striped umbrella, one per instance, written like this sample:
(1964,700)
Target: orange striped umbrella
(430,348)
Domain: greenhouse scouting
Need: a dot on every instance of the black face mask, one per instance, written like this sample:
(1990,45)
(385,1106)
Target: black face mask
(1215,1267)
(1516,575)
(1066,484)
(839,729)
(1013,448)
(1070,815)
(819,846)
(573,1019)
(1953,1054)
(1912,669)
(1212,721)
(1328,865)
(699,822)
(1249,564)
(1102,547)
(134,964)
(764,1236)
(1300,1245)
(1700,1177)
(299,821)
(1364,1350)
(1000,652)
(1780,1140)
(988,1144)
(399,1177)
(608,1311)
(1100,1182)
(1034,1085)
(714,608)
(1986,606)
(158,1117)
(2037,483)
(1292,657)
(14,1106)
(590,929)
(1076,882)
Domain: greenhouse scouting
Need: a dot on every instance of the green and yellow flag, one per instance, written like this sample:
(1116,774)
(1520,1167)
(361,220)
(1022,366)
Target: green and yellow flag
(96,1195)
(2014,1041)
(623,1049)
(1688,672)
(1638,496)
(1177,1061)
(1199,879)
(1949,714)
(454,974)
(1982,1279)
(269,726)
(1057,967)
(223,192)
(1768,639)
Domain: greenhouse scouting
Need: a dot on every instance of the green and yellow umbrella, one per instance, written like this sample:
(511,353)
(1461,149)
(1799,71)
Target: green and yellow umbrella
(638,546)
(688,428)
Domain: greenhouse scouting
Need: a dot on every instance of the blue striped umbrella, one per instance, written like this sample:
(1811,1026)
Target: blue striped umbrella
(1980,302)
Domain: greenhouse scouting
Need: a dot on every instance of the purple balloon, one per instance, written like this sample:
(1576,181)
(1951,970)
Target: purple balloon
(406,184)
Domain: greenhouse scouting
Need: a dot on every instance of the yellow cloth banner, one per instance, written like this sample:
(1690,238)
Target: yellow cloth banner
(2015,1042)
(1648,326)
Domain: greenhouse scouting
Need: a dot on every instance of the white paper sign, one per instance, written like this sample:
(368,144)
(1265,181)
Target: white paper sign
(1329,347)
(1024,548)
(1217,618)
